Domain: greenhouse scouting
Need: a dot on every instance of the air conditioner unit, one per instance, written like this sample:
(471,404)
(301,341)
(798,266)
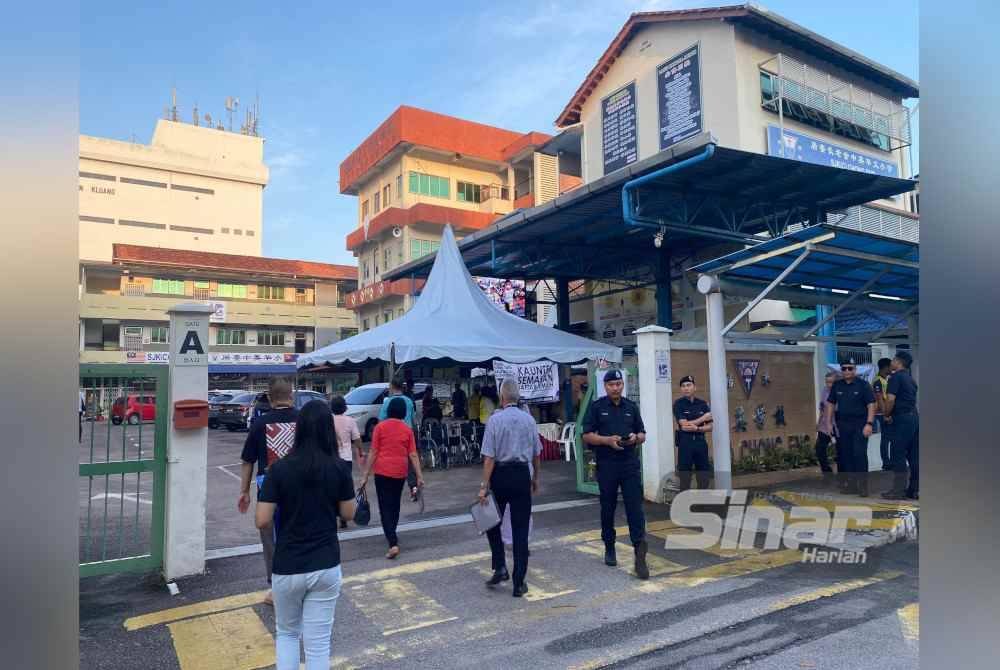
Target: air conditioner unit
(397,231)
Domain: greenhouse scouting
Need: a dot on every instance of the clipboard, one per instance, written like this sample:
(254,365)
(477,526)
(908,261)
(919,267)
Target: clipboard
(486,517)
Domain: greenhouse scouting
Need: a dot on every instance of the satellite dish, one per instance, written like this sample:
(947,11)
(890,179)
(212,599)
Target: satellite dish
(397,231)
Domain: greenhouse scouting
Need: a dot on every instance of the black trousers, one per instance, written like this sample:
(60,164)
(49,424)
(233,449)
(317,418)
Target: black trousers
(613,475)
(884,447)
(906,451)
(693,455)
(852,449)
(511,485)
(822,448)
(389,490)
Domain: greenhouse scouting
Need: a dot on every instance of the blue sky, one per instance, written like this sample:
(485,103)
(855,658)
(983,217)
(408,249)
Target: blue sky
(329,73)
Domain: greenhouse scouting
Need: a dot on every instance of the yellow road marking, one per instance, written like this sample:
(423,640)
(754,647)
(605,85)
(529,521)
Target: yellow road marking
(234,640)
(379,653)
(782,604)
(396,606)
(715,549)
(657,565)
(909,621)
(541,585)
(713,573)
(197,609)
(828,503)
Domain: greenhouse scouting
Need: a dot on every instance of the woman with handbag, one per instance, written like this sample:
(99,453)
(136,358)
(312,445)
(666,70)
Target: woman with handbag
(312,486)
(393,446)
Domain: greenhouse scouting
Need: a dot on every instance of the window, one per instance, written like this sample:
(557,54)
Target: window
(376,320)
(385,195)
(377,202)
(364,210)
(387,258)
(387,317)
(466,192)
(364,267)
(232,290)
(420,248)
(231,336)
(169,286)
(364,325)
(271,338)
(268,292)
(426,184)
(399,186)
(159,334)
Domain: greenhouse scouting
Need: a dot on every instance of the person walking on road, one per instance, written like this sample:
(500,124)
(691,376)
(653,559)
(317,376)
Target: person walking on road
(612,426)
(396,391)
(270,438)
(393,445)
(825,430)
(348,437)
(901,408)
(511,457)
(851,405)
(312,486)
(884,424)
(694,419)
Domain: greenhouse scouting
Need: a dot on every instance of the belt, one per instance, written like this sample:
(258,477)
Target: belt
(504,464)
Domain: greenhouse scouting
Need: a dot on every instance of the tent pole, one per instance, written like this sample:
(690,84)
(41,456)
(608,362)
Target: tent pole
(392,362)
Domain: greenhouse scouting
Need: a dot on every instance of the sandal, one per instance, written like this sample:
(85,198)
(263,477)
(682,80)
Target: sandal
(392,553)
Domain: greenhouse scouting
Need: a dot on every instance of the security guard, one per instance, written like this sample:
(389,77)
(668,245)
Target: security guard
(852,406)
(879,386)
(900,405)
(694,419)
(614,428)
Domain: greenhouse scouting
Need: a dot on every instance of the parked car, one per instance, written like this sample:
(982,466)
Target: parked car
(216,399)
(234,413)
(261,403)
(133,409)
(364,403)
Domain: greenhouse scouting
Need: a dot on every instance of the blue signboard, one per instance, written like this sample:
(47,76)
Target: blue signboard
(813,150)
(678,87)
(618,128)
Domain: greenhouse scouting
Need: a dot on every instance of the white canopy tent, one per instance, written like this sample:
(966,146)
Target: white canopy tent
(454,319)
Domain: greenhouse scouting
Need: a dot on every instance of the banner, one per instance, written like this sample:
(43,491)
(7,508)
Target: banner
(163,357)
(539,381)
(618,129)
(678,87)
(808,149)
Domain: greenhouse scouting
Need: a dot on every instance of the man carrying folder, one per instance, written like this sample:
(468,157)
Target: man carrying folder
(510,443)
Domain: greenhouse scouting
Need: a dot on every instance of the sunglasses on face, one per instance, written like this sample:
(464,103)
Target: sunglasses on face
(846,368)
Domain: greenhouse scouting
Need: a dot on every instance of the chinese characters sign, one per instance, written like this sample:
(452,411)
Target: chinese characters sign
(618,129)
(678,86)
(800,147)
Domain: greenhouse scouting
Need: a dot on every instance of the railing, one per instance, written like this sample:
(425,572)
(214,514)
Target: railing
(202,294)
(134,290)
(494,192)
(822,92)
(301,299)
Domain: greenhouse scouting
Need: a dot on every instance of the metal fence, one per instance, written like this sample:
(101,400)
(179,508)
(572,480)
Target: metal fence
(122,461)
(861,355)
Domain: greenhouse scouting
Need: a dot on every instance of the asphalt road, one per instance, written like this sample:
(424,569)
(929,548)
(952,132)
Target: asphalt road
(430,608)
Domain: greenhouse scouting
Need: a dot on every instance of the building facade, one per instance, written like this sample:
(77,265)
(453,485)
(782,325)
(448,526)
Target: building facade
(420,171)
(267,310)
(193,187)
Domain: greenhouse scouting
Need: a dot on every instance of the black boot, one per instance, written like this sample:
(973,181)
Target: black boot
(520,590)
(641,569)
(863,484)
(898,485)
(609,555)
(500,575)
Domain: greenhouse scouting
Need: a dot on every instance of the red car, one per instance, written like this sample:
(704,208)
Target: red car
(134,409)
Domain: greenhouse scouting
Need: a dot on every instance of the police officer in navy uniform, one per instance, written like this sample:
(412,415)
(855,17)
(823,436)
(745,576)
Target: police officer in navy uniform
(613,427)
(900,405)
(852,405)
(694,419)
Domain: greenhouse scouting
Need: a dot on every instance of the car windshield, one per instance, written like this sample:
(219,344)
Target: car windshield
(220,397)
(243,398)
(364,396)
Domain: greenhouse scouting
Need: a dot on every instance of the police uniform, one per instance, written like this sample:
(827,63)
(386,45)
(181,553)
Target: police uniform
(618,469)
(692,447)
(850,402)
(905,432)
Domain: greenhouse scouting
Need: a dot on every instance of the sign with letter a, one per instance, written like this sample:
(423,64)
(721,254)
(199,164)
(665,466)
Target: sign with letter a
(191,342)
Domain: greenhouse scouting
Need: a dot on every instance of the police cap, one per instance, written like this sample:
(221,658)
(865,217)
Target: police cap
(612,375)
(685,379)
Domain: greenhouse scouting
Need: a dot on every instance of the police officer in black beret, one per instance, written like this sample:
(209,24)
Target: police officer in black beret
(852,405)
(694,419)
(614,428)
(900,406)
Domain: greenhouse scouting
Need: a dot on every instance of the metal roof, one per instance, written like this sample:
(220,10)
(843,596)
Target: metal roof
(838,259)
(582,234)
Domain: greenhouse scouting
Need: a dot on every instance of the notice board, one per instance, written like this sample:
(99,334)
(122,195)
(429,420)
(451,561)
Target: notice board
(678,84)
(618,129)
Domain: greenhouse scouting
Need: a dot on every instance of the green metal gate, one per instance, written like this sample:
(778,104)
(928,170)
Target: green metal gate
(122,452)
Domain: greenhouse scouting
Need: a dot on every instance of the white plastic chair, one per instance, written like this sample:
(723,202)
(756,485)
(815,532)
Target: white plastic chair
(568,439)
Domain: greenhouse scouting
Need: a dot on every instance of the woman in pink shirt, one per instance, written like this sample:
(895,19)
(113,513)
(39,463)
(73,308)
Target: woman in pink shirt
(392,446)
(825,430)
(348,435)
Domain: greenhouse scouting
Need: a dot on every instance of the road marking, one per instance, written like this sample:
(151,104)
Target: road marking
(657,565)
(713,573)
(777,606)
(196,609)
(541,585)
(236,640)
(396,606)
(379,653)
(119,496)
(231,474)
(909,621)
(715,549)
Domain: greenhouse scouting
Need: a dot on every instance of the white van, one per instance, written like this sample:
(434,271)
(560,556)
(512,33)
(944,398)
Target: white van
(365,402)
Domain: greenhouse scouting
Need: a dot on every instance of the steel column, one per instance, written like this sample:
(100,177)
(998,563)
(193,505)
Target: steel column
(717,381)
(562,304)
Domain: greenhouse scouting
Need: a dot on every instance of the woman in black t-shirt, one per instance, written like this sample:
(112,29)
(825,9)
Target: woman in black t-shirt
(310,487)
